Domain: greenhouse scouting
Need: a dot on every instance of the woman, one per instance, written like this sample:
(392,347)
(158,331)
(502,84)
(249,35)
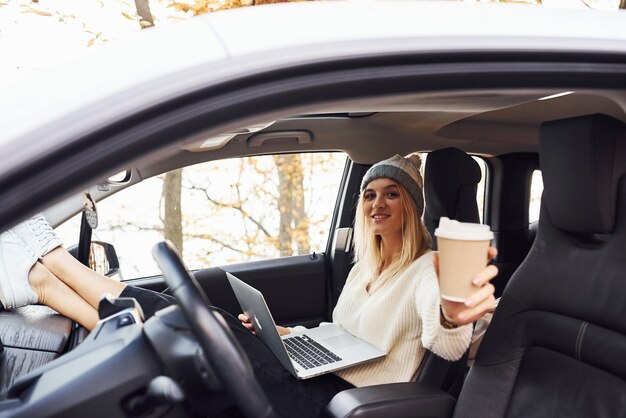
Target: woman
(391,297)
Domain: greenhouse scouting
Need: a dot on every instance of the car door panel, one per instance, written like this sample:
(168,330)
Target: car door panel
(295,288)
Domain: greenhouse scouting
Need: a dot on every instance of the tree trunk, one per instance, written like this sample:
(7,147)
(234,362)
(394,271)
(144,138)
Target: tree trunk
(284,205)
(173,217)
(173,181)
(293,219)
(300,218)
(143,10)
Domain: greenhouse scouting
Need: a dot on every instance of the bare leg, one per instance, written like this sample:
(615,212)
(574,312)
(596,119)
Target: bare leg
(60,297)
(88,284)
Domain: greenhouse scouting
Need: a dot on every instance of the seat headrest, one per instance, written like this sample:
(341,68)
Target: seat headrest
(582,160)
(447,173)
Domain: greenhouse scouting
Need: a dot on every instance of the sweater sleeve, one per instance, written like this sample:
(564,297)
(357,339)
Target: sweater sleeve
(297,328)
(449,344)
(300,328)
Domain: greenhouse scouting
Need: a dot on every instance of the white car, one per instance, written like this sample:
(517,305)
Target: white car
(336,87)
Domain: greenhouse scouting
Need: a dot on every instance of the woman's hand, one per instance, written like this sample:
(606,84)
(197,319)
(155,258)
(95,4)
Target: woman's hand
(479,303)
(245,321)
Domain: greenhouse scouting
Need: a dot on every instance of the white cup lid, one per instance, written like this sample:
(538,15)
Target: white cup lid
(451,229)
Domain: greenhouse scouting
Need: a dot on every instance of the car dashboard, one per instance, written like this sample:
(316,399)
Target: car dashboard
(122,368)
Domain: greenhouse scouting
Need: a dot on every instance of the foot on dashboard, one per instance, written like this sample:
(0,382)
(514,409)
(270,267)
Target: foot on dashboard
(38,236)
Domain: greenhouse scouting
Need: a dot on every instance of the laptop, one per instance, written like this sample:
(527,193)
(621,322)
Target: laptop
(308,353)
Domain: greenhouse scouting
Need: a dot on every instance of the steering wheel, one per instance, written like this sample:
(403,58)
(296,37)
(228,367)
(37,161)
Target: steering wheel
(222,350)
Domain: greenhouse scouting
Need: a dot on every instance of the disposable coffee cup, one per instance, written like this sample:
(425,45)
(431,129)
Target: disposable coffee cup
(463,252)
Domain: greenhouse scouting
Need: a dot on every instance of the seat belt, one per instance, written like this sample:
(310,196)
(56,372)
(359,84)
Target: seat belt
(88,222)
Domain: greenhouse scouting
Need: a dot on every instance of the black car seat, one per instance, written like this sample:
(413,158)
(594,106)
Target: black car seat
(451,178)
(557,342)
(511,200)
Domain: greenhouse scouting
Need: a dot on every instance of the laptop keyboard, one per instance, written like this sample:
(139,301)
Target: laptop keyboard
(309,353)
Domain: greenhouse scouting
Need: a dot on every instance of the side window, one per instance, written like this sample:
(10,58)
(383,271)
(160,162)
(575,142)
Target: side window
(536,188)
(480,190)
(222,212)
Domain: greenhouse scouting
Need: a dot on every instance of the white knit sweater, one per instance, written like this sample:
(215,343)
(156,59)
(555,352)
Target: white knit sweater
(402,318)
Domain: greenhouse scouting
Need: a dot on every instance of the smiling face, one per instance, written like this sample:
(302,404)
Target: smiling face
(382,208)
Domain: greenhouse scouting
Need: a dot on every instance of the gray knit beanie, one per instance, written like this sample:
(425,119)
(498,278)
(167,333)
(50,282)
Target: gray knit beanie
(406,171)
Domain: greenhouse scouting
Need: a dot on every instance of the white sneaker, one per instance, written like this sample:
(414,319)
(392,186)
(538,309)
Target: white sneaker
(38,236)
(15,264)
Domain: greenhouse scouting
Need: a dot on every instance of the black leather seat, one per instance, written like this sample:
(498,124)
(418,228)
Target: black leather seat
(451,179)
(557,344)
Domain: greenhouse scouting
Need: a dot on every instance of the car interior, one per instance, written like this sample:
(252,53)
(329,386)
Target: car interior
(558,332)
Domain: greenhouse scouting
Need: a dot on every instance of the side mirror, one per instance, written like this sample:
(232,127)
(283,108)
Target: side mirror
(102,258)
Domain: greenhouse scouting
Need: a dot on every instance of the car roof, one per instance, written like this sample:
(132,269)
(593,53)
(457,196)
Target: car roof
(159,63)
(414,43)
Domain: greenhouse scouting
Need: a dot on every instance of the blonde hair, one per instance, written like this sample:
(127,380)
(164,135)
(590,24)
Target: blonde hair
(416,241)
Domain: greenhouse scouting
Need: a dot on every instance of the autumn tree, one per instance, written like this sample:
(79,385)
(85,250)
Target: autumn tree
(172,216)
(293,218)
(260,207)
(172,183)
